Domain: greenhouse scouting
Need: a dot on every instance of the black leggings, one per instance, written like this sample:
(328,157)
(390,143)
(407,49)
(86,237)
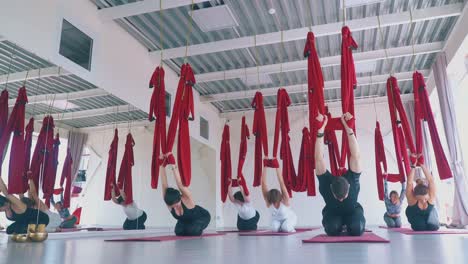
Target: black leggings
(248,225)
(30,217)
(420,223)
(355,223)
(136,224)
(194,227)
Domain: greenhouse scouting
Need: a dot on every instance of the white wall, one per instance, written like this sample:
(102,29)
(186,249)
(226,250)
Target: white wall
(309,209)
(98,211)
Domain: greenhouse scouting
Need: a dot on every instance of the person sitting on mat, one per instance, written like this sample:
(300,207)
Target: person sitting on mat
(247,216)
(283,218)
(22,215)
(136,217)
(421,213)
(68,220)
(393,204)
(342,214)
(191,218)
(34,202)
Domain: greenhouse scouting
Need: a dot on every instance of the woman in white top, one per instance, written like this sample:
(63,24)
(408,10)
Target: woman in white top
(136,217)
(283,219)
(247,216)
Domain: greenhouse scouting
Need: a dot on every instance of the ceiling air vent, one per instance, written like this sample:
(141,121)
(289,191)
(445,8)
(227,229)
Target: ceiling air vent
(214,18)
(253,79)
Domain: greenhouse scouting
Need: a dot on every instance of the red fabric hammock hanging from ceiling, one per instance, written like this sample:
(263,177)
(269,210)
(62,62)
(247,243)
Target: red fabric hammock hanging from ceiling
(124,181)
(282,129)
(259,130)
(27,151)
(15,125)
(348,84)
(423,112)
(226,165)
(226,168)
(112,168)
(42,162)
(182,112)
(316,105)
(157,112)
(66,179)
(3,111)
(49,182)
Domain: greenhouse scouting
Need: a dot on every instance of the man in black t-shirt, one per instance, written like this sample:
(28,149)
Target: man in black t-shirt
(342,213)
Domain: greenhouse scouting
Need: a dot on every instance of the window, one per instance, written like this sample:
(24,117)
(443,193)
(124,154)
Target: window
(76,45)
(204,128)
(168,104)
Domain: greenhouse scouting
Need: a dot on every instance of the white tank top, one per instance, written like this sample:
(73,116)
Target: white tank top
(280,214)
(132,211)
(246,211)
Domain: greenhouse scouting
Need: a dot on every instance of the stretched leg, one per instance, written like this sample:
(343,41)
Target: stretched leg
(397,222)
(333,224)
(389,221)
(433,223)
(356,223)
(275,225)
(70,223)
(289,224)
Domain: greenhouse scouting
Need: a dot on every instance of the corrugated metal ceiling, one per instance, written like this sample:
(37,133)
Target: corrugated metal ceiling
(253,18)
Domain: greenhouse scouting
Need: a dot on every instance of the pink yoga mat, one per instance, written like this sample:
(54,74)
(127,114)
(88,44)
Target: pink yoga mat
(162,238)
(237,231)
(365,238)
(271,233)
(408,231)
(66,230)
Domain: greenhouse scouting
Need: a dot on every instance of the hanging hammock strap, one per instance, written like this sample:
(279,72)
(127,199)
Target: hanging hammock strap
(259,130)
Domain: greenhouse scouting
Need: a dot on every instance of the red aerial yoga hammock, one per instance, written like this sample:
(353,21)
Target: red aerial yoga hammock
(15,125)
(259,130)
(112,168)
(423,112)
(316,105)
(42,162)
(27,151)
(3,111)
(226,167)
(348,84)
(66,176)
(125,174)
(157,112)
(50,180)
(182,112)
(291,180)
(402,139)
(225,157)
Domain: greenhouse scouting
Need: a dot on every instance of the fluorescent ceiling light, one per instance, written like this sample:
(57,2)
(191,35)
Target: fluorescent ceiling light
(253,80)
(64,105)
(214,18)
(366,66)
(353,3)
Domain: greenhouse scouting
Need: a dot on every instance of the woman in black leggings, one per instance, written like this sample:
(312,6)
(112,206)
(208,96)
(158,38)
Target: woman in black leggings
(191,219)
(421,212)
(136,217)
(22,216)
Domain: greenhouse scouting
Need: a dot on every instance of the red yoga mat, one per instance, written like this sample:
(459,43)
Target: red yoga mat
(365,238)
(162,238)
(238,231)
(408,231)
(271,233)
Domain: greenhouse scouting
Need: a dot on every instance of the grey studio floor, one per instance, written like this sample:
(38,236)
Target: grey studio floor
(234,249)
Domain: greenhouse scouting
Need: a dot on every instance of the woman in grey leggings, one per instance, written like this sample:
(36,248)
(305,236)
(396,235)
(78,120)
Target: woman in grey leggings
(68,220)
(393,204)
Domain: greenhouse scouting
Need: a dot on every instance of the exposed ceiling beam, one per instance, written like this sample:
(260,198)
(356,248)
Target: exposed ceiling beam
(235,114)
(46,98)
(2,38)
(142,7)
(319,31)
(33,74)
(300,88)
(90,113)
(325,62)
(124,125)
